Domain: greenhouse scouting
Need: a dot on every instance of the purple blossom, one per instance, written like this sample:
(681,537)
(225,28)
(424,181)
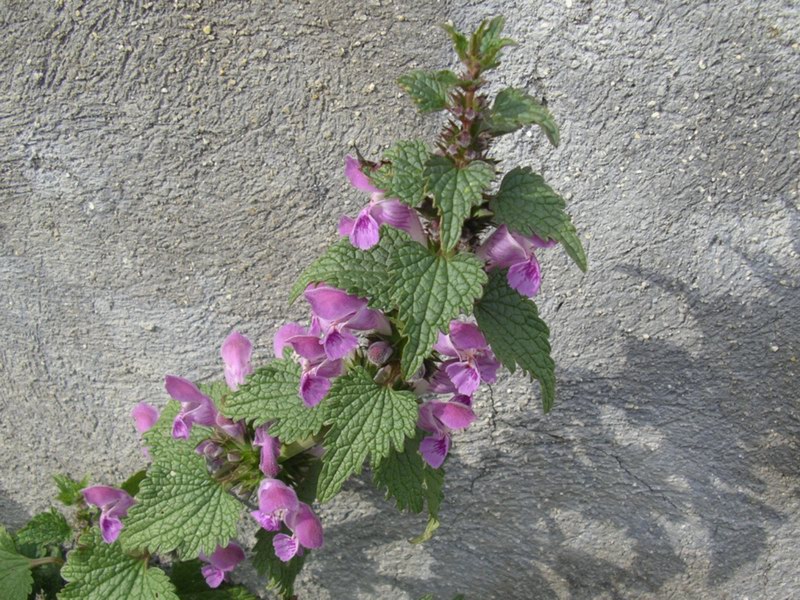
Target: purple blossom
(440,419)
(113,503)
(276,500)
(236,352)
(470,360)
(364,230)
(220,563)
(270,450)
(306,533)
(144,416)
(196,407)
(504,249)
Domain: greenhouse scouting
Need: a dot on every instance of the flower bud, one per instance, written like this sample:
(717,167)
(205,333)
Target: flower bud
(379,353)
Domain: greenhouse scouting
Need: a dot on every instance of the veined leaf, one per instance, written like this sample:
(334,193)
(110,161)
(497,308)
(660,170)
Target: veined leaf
(456,190)
(516,334)
(16,580)
(191,585)
(429,89)
(45,529)
(99,571)
(514,108)
(525,203)
(271,394)
(403,177)
(369,420)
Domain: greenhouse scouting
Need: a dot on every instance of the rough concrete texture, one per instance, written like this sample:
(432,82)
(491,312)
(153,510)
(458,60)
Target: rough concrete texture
(168,169)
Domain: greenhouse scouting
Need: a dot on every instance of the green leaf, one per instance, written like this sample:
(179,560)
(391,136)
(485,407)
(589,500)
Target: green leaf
(460,41)
(16,580)
(514,108)
(271,394)
(359,272)
(69,489)
(429,90)
(132,483)
(525,203)
(456,190)
(179,505)
(99,571)
(406,477)
(369,420)
(516,334)
(159,438)
(281,574)
(430,290)
(46,529)
(191,585)
(487,43)
(403,175)
(430,529)
(216,390)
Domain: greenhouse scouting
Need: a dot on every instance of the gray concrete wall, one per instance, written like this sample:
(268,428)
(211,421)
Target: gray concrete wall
(168,168)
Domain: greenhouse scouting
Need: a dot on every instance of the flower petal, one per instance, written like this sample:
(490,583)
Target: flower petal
(313,389)
(454,415)
(434,449)
(400,216)
(236,352)
(346,224)
(213,576)
(282,336)
(110,528)
(332,304)
(369,319)
(183,390)
(285,547)
(427,421)
(501,249)
(466,336)
(444,345)
(353,172)
(465,377)
(268,522)
(144,416)
(227,558)
(487,366)
(103,495)
(270,450)
(366,231)
(274,495)
(308,346)
(306,526)
(525,277)
(338,343)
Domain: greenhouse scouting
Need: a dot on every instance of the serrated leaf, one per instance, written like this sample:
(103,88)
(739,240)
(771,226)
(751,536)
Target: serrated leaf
(514,108)
(159,438)
(45,529)
(281,574)
(429,89)
(455,191)
(191,585)
(525,203)
(69,489)
(99,571)
(369,420)
(403,175)
(430,290)
(488,43)
(179,505)
(216,390)
(407,479)
(271,394)
(516,334)
(359,272)
(460,41)
(16,580)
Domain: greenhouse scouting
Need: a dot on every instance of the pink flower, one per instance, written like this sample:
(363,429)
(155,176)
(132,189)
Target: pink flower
(439,419)
(220,563)
(114,504)
(504,249)
(471,360)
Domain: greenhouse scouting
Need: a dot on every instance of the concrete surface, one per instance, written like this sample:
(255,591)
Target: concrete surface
(169,167)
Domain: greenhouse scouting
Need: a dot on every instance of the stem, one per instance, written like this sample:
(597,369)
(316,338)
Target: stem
(47,560)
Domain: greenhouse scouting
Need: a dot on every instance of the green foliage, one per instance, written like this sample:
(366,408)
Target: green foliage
(369,420)
(430,290)
(16,580)
(460,41)
(216,390)
(486,42)
(429,90)
(69,489)
(514,108)
(191,585)
(402,175)
(99,571)
(359,272)
(528,205)
(179,505)
(271,394)
(46,529)
(281,574)
(516,334)
(456,190)
(132,483)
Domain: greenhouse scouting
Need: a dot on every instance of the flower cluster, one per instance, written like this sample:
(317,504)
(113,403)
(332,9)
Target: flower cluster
(337,320)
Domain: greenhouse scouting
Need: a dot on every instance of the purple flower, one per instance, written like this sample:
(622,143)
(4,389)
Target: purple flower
(113,504)
(196,407)
(306,533)
(276,500)
(504,249)
(236,352)
(364,230)
(270,450)
(220,563)
(439,419)
(144,416)
(471,360)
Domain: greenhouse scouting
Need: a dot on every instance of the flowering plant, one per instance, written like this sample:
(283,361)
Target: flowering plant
(427,293)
